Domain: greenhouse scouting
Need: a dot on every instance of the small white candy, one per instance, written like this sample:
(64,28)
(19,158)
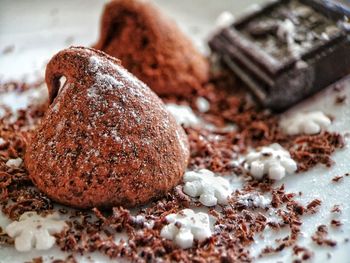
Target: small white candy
(258,169)
(186,226)
(183,114)
(34,231)
(184,238)
(273,161)
(308,123)
(14,162)
(210,189)
(277,172)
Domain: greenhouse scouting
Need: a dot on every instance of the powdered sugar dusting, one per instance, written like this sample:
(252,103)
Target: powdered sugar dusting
(109,83)
(102,80)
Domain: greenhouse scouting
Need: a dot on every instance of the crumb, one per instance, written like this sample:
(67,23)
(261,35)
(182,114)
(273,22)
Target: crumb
(320,237)
(69,259)
(336,209)
(235,226)
(340,99)
(8,49)
(303,252)
(311,150)
(336,223)
(337,178)
(312,206)
(36,260)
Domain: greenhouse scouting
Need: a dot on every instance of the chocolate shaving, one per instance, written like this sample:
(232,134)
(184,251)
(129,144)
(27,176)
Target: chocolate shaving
(304,253)
(235,228)
(340,99)
(308,150)
(69,259)
(336,223)
(36,260)
(336,209)
(337,178)
(320,237)
(313,205)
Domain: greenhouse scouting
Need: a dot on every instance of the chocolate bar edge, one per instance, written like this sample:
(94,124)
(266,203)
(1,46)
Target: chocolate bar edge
(271,78)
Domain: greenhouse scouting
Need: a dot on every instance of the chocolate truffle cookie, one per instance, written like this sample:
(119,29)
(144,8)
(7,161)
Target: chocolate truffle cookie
(106,139)
(152,47)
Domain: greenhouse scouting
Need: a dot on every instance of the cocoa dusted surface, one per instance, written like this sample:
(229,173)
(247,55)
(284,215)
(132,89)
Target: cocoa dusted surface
(152,47)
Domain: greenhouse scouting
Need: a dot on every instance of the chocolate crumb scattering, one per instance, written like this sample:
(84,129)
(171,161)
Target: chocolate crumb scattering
(308,151)
(236,226)
(321,237)
(303,253)
(291,217)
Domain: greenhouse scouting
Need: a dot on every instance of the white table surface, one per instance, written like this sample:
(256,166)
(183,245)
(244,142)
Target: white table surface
(37,29)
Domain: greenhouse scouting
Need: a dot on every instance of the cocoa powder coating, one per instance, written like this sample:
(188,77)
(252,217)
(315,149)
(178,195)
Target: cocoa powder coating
(152,47)
(106,139)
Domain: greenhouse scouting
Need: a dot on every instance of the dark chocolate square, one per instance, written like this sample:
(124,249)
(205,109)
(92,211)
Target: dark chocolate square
(287,50)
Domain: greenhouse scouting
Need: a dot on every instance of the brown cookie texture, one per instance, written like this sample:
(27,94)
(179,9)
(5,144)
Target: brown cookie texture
(152,47)
(106,139)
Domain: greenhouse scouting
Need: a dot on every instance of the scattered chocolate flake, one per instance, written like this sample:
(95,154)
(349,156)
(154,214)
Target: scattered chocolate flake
(336,223)
(69,259)
(340,99)
(8,49)
(308,150)
(235,227)
(320,237)
(336,209)
(303,252)
(313,205)
(337,178)
(36,260)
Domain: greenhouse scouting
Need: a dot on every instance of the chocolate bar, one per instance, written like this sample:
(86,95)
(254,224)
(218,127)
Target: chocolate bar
(288,49)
